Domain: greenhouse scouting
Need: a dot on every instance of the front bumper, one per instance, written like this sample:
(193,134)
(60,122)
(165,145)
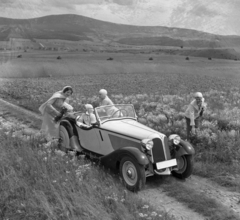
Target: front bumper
(166,164)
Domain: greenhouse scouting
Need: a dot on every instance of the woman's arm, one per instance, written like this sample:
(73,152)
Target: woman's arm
(54,108)
(52,111)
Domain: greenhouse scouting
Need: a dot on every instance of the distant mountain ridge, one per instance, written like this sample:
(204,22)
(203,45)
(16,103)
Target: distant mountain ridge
(76,28)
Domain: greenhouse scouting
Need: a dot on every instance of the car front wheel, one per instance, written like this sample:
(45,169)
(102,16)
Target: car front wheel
(185,167)
(132,173)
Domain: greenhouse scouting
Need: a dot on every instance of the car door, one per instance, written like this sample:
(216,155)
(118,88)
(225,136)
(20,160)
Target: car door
(105,143)
(90,140)
(111,141)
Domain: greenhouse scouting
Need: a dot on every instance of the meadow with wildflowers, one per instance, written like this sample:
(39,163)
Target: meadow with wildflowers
(62,183)
(39,182)
(160,101)
(160,92)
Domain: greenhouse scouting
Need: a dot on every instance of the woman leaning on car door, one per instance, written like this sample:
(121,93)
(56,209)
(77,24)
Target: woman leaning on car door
(51,109)
(194,113)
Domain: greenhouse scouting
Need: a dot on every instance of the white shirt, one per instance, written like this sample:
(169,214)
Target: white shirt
(193,110)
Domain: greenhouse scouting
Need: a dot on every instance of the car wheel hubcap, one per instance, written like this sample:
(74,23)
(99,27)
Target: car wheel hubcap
(129,173)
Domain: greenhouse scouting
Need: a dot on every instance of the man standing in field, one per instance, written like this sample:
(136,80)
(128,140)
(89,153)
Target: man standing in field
(106,101)
(194,113)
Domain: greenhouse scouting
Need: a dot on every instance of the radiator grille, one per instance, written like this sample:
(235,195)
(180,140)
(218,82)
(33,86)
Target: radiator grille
(158,151)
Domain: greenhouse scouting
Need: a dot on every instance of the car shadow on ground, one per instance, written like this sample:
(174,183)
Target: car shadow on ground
(152,182)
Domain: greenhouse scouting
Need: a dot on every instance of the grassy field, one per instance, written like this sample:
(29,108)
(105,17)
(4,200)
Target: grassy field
(159,89)
(39,183)
(46,152)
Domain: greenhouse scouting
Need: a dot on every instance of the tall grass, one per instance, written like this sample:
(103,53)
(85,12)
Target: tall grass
(160,100)
(38,183)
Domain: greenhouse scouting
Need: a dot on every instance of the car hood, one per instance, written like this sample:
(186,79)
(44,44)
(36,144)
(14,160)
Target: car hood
(130,128)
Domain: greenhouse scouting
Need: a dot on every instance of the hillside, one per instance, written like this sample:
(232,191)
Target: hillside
(79,33)
(77,28)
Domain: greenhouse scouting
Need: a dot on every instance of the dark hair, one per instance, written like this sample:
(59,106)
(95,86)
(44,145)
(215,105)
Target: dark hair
(68,89)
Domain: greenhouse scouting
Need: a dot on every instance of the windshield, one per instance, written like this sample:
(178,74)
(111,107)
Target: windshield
(115,112)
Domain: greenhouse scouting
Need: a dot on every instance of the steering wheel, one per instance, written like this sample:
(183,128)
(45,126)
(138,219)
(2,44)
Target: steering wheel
(119,110)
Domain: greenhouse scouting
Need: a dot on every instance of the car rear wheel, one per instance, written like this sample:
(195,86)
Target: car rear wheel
(185,167)
(133,174)
(64,144)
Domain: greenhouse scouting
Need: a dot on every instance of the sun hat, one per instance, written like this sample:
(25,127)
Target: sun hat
(88,106)
(103,91)
(198,95)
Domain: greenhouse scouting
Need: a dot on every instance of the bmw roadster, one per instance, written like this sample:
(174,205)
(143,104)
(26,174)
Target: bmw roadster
(120,142)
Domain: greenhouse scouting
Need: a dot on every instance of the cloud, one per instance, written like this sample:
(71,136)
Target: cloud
(122,2)
(73,3)
(6,2)
(200,15)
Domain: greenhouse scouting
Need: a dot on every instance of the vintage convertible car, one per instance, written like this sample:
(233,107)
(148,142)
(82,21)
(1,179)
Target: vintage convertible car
(120,142)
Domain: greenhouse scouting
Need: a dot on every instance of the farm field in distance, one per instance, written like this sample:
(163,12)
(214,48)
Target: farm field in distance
(160,89)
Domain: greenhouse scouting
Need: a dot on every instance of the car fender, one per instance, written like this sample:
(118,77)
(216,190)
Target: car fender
(113,159)
(73,135)
(185,149)
(67,124)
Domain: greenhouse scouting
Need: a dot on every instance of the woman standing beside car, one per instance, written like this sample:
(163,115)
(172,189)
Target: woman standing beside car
(51,109)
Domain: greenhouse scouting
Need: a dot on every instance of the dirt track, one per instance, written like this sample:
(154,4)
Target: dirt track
(153,193)
(156,195)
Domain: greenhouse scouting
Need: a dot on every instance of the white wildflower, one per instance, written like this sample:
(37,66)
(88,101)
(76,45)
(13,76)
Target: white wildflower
(153,214)
(145,207)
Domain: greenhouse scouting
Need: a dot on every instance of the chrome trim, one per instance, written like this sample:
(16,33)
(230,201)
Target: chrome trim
(164,148)
(113,119)
(166,172)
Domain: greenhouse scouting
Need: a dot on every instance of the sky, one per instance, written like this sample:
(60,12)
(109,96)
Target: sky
(215,16)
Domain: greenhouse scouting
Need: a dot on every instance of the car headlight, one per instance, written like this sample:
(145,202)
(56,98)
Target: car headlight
(147,143)
(174,138)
